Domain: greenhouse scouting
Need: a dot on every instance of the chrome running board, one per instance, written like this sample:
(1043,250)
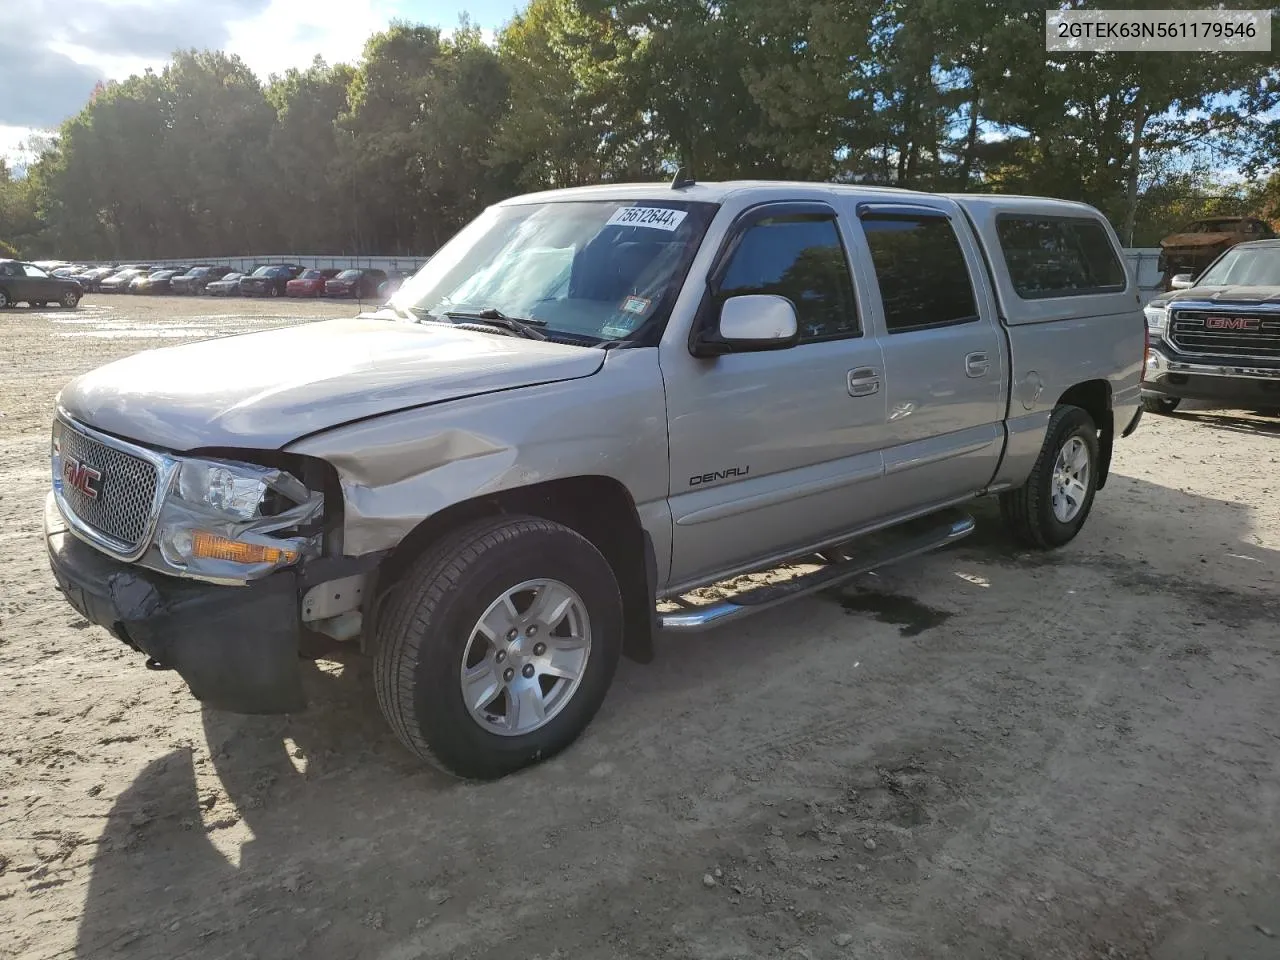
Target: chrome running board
(862,555)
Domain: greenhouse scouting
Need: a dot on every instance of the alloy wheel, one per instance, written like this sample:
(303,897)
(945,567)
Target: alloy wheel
(525,657)
(1070,483)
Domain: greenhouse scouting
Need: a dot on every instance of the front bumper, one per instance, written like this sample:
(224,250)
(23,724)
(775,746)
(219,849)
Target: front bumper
(1227,383)
(237,648)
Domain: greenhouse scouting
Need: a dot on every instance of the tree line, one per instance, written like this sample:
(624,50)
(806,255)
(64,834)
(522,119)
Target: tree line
(393,154)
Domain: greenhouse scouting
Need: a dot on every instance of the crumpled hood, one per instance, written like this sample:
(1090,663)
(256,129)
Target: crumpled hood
(264,390)
(1225,295)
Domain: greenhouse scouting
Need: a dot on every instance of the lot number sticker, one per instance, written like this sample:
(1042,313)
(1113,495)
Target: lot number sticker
(656,218)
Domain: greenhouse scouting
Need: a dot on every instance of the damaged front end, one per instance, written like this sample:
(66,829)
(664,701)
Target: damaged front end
(200,562)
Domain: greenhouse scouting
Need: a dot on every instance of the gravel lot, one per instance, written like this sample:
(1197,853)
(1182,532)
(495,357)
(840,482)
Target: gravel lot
(982,753)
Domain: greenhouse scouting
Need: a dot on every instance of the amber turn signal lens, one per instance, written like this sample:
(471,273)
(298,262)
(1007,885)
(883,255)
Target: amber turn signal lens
(214,547)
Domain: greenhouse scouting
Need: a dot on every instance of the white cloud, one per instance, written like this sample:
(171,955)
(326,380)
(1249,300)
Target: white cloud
(290,32)
(12,140)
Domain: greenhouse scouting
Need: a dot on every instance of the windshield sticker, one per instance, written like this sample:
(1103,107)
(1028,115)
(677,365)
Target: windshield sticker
(635,305)
(656,218)
(620,327)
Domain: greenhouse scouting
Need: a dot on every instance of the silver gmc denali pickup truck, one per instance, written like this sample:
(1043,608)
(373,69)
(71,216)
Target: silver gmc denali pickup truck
(587,404)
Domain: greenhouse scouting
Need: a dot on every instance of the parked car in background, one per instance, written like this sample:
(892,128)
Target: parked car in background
(69,272)
(269,281)
(395,280)
(225,286)
(148,282)
(27,283)
(90,279)
(119,281)
(355,283)
(158,281)
(1200,242)
(310,283)
(1219,339)
(196,279)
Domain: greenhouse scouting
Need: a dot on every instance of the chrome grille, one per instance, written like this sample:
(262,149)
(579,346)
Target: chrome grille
(126,486)
(1224,333)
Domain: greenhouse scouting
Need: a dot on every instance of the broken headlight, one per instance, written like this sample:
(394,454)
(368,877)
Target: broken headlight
(230,521)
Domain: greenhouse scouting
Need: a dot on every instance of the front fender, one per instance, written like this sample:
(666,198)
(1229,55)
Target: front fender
(399,469)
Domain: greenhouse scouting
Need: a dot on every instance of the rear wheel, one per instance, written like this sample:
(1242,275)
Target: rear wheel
(273,291)
(1160,404)
(498,646)
(5,302)
(1049,510)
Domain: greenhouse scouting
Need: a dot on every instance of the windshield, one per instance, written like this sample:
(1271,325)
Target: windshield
(264,272)
(233,276)
(347,275)
(597,268)
(309,275)
(1244,267)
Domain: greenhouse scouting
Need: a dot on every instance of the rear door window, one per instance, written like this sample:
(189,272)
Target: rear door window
(1058,256)
(921,271)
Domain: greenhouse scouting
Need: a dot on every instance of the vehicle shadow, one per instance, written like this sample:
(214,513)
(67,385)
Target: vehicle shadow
(318,835)
(1259,424)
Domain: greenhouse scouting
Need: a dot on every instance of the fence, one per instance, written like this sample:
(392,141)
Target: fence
(405,265)
(1141,261)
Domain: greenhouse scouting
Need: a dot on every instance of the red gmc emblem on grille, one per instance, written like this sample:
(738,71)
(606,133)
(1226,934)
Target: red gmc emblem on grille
(1231,323)
(82,477)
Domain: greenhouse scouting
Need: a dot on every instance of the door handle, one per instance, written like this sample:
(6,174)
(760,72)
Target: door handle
(864,381)
(977,364)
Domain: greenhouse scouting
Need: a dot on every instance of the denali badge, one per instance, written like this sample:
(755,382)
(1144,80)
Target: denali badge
(1231,323)
(719,475)
(82,477)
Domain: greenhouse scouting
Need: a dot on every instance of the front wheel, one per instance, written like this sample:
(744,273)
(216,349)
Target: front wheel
(1049,510)
(497,647)
(70,299)
(5,302)
(1164,405)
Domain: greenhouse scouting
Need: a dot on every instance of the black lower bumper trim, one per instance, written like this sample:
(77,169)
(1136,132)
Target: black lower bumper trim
(236,647)
(1226,391)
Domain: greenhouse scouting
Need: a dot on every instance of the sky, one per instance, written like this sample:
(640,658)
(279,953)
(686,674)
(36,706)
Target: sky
(52,52)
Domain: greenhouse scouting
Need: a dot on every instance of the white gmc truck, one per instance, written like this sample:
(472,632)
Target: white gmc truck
(588,403)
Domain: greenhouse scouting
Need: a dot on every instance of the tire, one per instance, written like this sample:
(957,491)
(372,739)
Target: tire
(1164,405)
(5,302)
(70,299)
(428,633)
(1029,512)
(272,292)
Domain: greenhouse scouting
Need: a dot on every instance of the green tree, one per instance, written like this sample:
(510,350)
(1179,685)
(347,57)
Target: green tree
(312,197)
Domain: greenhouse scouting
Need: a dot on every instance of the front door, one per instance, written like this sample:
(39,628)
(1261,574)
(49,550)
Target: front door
(780,448)
(943,356)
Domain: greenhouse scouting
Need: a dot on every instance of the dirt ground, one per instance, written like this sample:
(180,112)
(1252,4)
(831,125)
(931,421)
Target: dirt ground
(979,754)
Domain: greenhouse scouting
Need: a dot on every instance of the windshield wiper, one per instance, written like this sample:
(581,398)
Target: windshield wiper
(416,314)
(398,310)
(496,318)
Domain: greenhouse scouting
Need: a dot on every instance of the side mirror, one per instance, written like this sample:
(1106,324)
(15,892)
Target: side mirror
(1182,281)
(749,323)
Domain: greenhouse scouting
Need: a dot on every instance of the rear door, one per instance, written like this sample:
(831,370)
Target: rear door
(944,354)
(14,281)
(777,449)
